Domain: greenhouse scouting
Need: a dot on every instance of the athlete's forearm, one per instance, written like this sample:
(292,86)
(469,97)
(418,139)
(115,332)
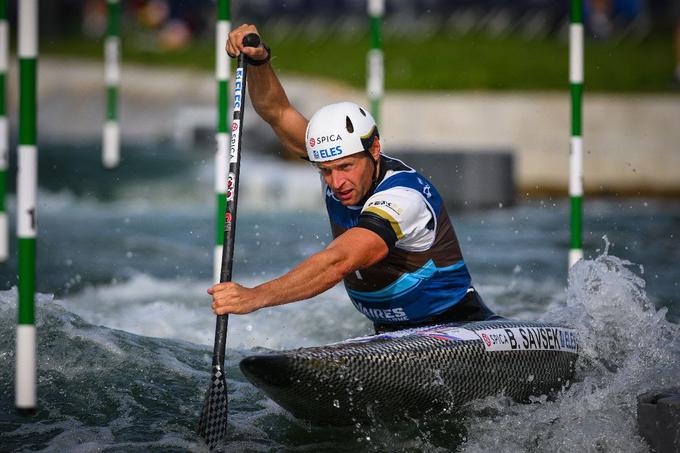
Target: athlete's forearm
(313,276)
(356,248)
(271,103)
(266,92)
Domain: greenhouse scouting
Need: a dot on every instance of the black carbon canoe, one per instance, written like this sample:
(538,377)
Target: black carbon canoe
(416,371)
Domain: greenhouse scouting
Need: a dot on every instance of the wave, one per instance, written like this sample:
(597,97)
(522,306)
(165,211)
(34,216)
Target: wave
(108,388)
(180,309)
(626,347)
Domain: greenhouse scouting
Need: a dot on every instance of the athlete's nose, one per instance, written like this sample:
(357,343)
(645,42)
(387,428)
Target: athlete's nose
(337,180)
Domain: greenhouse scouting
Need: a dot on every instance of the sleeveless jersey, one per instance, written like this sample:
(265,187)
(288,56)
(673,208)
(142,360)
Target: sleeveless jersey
(424,273)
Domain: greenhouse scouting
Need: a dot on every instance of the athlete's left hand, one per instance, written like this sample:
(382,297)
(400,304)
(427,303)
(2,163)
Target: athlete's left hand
(232,298)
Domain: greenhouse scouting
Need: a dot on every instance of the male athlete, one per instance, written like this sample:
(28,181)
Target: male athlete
(394,246)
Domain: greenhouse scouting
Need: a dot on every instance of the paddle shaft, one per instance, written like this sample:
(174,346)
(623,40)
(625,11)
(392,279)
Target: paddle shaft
(251,40)
(212,424)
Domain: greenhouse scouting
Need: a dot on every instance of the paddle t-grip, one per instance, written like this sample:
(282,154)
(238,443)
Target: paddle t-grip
(251,40)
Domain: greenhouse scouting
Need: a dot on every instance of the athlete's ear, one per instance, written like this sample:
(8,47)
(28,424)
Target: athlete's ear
(375,148)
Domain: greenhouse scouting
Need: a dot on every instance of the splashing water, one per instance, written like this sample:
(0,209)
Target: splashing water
(106,389)
(626,348)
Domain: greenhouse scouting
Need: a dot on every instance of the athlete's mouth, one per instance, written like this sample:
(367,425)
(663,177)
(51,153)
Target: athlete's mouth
(344,194)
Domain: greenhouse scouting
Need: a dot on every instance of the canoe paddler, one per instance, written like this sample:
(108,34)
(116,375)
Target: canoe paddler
(394,245)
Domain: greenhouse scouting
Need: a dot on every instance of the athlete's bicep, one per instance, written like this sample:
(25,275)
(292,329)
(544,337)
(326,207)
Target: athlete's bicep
(359,248)
(380,226)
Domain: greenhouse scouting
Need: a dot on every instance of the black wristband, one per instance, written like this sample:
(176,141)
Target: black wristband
(252,62)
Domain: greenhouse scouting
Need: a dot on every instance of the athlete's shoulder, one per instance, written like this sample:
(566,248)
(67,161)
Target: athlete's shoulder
(400,175)
(406,212)
(395,201)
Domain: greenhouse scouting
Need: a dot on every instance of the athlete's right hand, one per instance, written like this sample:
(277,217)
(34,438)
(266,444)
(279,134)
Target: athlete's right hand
(234,45)
(230,297)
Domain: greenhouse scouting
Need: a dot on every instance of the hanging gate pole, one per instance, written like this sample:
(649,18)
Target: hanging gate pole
(222,73)
(111,134)
(27,185)
(576,144)
(376,72)
(4,130)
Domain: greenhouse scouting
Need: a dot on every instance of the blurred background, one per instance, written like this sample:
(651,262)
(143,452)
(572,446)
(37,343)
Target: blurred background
(504,44)
(459,75)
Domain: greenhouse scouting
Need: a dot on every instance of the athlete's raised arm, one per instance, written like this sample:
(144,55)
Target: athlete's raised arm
(267,94)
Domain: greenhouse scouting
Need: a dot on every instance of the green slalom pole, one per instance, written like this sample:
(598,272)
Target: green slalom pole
(111,133)
(222,73)
(576,144)
(27,182)
(4,130)
(376,71)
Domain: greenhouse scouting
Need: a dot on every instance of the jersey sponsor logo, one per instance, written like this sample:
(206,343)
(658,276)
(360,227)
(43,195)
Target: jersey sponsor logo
(529,339)
(326,153)
(427,190)
(382,314)
(312,142)
(238,88)
(387,205)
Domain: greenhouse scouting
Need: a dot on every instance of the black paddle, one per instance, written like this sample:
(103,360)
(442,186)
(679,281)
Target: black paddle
(212,426)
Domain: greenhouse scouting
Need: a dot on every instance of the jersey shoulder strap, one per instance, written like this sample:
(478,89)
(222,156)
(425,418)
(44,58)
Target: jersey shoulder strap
(399,174)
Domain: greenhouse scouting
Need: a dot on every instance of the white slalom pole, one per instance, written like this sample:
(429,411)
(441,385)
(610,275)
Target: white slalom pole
(4,130)
(576,143)
(222,74)
(27,187)
(376,71)
(111,135)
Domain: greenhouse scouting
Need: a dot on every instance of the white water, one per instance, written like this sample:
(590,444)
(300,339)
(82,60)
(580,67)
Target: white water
(181,310)
(626,348)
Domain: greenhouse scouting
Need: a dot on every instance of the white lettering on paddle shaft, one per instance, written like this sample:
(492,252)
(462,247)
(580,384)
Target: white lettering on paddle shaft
(233,145)
(238,89)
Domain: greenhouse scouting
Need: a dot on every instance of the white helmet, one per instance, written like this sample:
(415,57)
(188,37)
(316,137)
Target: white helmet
(339,130)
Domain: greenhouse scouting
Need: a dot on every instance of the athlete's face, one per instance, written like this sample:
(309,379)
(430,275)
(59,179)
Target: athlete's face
(349,177)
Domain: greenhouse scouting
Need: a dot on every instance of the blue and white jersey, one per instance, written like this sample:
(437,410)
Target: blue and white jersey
(424,273)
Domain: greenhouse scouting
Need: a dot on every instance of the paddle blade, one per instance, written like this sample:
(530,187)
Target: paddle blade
(212,426)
